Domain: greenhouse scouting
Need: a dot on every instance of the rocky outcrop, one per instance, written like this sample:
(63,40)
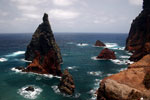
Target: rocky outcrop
(66,83)
(99,43)
(138,41)
(43,51)
(106,54)
(130,84)
(144,62)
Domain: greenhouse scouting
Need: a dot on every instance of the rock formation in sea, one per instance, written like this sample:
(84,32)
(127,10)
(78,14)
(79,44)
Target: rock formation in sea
(99,43)
(67,85)
(106,54)
(43,51)
(138,41)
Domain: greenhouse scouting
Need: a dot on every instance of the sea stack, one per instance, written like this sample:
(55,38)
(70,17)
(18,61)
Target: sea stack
(66,85)
(99,44)
(43,51)
(106,54)
(138,41)
(134,82)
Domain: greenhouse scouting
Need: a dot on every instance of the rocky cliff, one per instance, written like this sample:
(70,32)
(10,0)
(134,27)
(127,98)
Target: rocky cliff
(66,84)
(43,51)
(138,41)
(133,83)
(130,84)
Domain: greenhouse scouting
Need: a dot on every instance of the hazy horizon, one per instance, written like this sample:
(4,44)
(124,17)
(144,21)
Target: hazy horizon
(69,16)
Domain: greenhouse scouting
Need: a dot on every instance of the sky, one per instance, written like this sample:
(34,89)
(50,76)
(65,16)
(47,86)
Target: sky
(92,16)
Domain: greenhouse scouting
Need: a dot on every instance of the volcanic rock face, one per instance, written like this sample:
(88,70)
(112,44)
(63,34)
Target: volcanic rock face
(43,51)
(66,84)
(99,43)
(130,84)
(138,40)
(106,54)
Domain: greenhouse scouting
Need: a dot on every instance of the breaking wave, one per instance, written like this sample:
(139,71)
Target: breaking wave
(95,73)
(15,54)
(122,62)
(56,90)
(30,94)
(82,44)
(44,75)
(3,59)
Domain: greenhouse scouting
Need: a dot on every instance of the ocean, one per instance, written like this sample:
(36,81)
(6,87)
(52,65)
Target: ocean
(81,61)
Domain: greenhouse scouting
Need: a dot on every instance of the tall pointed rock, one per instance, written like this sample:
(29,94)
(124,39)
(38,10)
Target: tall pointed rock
(138,40)
(43,51)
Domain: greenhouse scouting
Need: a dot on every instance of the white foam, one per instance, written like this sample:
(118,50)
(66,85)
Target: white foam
(125,57)
(16,70)
(44,75)
(95,58)
(129,53)
(3,59)
(30,94)
(95,73)
(56,90)
(119,48)
(72,67)
(109,74)
(111,45)
(25,60)
(15,53)
(82,44)
(122,62)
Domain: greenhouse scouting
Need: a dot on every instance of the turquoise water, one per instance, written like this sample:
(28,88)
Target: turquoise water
(79,59)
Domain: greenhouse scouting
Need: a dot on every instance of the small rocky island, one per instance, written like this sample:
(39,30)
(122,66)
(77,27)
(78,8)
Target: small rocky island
(99,44)
(43,51)
(66,85)
(133,83)
(106,54)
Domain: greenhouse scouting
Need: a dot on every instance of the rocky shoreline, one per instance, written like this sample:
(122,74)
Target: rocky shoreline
(133,83)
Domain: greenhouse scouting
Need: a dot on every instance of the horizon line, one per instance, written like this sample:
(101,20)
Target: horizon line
(68,32)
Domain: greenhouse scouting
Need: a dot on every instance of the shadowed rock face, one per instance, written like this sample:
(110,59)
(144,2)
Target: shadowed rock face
(138,40)
(43,51)
(106,54)
(99,43)
(66,84)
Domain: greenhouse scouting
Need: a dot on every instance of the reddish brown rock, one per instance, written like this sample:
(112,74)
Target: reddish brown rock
(144,62)
(130,84)
(99,43)
(106,54)
(138,40)
(43,51)
(48,66)
(67,85)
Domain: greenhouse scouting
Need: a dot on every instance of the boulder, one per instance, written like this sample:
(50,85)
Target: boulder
(30,88)
(67,85)
(106,54)
(99,43)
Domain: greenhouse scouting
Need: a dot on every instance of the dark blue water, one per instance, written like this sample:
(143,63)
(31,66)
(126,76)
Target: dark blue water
(79,59)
